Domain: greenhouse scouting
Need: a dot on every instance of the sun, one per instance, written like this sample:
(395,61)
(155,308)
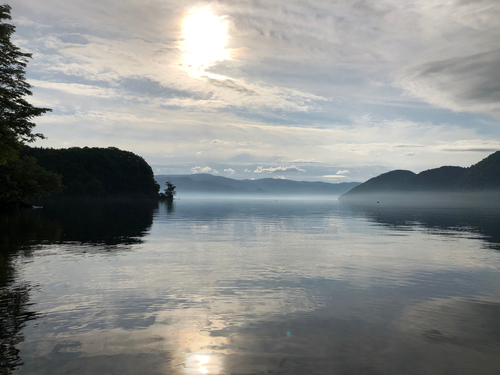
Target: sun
(204,39)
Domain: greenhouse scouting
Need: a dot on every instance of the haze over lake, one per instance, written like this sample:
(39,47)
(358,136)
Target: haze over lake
(250,287)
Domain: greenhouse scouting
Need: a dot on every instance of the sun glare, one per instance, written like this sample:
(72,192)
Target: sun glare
(205,36)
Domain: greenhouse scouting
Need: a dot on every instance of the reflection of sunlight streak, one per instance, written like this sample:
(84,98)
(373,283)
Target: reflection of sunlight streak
(203,359)
(205,36)
(204,363)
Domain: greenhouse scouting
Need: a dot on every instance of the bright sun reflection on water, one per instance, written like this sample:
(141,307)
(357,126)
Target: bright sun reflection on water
(205,36)
(203,359)
(206,363)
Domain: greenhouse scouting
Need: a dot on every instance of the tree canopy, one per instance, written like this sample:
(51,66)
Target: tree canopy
(169,192)
(97,171)
(19,179)
(16,114)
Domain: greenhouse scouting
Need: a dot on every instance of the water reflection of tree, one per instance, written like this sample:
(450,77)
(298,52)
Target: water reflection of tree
(22,232)
(480,220)
(19,234)
(15,311)
(103,222)
(170,205)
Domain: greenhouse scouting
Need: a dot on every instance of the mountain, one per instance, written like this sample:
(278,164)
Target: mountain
(439,179)
(377,185)
(484,175)
(479,182)
(209,184)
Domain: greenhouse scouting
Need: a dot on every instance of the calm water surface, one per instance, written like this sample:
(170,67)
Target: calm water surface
(249,287)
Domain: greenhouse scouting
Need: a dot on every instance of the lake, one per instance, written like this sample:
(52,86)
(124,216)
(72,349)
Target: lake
(249,287)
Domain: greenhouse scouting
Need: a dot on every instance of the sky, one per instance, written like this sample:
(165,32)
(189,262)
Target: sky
(334,91)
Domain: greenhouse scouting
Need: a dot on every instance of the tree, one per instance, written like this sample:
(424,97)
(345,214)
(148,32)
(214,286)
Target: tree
(170,190)
(16,114)
(97,171)
(23,178)
(16,125)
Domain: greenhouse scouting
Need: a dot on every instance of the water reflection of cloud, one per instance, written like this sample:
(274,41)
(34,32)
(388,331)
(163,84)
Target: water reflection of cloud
(469,322)
(460,222)
(322,342)
(232,285)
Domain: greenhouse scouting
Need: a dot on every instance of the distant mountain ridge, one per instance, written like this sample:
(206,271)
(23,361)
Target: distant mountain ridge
(445,182)
(209,184)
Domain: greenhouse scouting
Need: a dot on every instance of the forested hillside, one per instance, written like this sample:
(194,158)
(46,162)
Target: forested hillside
(98,172)
(380,184)
(478,182)
(483,175)
(438,179)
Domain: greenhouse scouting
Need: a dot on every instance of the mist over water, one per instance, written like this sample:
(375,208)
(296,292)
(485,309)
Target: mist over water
(256,196)
(427,199)
(241,286)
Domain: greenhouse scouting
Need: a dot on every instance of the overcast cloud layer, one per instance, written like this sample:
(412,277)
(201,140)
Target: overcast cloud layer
(318,90)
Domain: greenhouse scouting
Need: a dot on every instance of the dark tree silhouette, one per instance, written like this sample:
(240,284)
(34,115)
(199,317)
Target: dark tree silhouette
(98,172)
(16,114)
(20,179)
(169,191)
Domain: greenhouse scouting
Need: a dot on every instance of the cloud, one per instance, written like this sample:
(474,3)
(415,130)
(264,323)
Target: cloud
(292,168)
(77,89)
(343,172)
(231,85)
(468,82)
(230,170)
(470,146)
(279,177)
(207,169)
(291,57)
(458,73)
(305,161)
(333,176)
(243,143)
(356,84)
(218,141)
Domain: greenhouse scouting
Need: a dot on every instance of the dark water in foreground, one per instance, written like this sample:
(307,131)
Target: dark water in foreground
(249,287)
